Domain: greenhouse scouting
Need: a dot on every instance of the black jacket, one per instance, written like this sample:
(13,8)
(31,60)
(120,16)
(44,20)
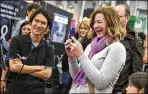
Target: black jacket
(134,60)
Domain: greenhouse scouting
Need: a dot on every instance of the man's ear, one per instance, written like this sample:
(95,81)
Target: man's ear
(128,17)
(47,30)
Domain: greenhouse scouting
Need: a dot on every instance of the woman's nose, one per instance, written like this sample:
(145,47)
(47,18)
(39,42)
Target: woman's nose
(95,25)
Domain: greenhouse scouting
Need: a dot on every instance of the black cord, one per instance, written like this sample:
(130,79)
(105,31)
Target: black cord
(13,82)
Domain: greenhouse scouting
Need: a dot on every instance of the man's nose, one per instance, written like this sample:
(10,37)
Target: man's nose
(39,24)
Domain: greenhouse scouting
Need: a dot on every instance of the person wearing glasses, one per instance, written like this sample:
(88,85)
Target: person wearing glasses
(134,50)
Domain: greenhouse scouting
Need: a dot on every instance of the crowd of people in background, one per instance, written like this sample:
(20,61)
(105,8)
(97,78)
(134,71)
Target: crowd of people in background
(108,56)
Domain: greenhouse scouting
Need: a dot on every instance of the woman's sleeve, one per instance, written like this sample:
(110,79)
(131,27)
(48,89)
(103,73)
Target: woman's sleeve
(73,67)
(111,66)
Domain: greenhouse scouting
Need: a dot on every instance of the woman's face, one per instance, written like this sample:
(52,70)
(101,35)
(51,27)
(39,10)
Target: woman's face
(131,89)
(83,30)
(26,29)
(100,25)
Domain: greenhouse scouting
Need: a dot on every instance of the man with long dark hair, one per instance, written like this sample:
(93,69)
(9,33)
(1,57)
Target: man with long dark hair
(30,58)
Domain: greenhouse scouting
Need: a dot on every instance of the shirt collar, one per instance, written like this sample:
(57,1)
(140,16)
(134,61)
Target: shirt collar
(42,43)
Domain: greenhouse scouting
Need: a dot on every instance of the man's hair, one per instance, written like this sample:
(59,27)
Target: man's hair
(114,29)
(139,79)
(45,13)
(32,6)
(127,10)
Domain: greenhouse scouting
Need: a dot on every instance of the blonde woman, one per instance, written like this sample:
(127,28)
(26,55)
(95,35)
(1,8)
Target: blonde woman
(84,32)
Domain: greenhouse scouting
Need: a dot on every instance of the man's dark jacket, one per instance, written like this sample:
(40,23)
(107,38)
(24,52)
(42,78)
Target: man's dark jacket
(133,62)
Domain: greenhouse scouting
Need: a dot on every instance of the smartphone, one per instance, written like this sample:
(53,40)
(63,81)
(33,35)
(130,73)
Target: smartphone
(72,33)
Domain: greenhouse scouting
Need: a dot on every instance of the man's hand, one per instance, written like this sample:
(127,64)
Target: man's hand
(3,86)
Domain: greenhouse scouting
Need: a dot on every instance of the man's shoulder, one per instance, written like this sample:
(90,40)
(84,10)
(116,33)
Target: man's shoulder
(132,35)
(21,37)
(48,44)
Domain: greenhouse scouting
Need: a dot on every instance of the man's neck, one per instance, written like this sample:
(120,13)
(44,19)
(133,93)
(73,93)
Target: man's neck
(125,30)
(35,39)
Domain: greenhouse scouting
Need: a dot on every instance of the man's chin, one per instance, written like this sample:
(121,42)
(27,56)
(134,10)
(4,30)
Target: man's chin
(38,34)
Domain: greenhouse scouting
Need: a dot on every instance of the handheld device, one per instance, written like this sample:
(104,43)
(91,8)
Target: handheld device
(72,33)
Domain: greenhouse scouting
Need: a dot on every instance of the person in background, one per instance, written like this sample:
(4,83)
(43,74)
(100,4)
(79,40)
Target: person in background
(142,36)
(134,50)
(30,9)
(25,29)
(30,58)
(137,83)
(84,36)
(84,32)
(145,59)
(144,40)
(96,69)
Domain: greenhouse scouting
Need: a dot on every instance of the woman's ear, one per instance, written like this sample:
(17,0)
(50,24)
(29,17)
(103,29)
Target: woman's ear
(141,91)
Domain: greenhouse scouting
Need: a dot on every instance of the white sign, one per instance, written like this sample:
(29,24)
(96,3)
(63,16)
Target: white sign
(61,19)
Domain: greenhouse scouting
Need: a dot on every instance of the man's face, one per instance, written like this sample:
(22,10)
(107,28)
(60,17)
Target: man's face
(123,18)
(39,24)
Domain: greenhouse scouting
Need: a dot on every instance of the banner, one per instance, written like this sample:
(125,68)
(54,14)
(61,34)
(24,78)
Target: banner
(10,13)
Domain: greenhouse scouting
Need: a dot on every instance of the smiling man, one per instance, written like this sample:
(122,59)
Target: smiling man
(31,58)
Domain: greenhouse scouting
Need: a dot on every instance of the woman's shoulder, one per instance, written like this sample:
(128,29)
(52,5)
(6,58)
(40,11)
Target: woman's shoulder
(117,45)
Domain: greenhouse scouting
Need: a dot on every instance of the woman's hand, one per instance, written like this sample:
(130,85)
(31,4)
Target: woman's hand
(76,48)
(68,49)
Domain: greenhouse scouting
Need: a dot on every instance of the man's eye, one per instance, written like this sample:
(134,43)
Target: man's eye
(44,23)
(36,20)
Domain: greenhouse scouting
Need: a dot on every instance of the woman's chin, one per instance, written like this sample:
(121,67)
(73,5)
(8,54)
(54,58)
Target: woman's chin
(100,36)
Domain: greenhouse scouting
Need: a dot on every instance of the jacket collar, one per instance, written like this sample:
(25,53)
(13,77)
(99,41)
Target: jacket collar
(130,33)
